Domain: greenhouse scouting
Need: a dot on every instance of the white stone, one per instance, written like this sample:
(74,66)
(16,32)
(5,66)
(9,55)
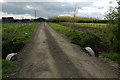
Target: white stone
(9,56)
(91,52)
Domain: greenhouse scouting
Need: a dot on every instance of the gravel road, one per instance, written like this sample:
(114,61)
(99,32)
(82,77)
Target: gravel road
(48,54)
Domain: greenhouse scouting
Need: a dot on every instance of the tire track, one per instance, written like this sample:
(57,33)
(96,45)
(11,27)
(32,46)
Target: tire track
(64,65)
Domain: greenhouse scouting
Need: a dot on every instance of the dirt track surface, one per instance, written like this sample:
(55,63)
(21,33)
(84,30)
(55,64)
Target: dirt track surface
(50,55)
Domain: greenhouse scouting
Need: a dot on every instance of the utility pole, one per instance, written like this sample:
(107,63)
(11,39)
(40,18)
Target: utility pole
(35,14)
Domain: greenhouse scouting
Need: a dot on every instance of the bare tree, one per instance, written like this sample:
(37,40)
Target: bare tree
(75,12)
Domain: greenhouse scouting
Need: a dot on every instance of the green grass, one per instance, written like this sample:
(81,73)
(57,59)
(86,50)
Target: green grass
(7,66)
(93,25)
(14,36)
(60,28)
(64,30)
(113,56)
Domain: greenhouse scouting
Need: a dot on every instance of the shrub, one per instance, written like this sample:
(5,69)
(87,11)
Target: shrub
(115,46)
(86,39)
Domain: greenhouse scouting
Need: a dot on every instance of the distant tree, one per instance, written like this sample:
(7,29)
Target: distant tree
(75,12)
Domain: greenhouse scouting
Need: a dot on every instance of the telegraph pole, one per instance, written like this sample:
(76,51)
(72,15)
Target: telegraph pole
(35,14)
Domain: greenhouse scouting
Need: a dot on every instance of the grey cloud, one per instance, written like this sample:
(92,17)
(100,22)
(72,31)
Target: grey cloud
(100,7)
(95,15)
(43,9)
(30,0)
(110,2)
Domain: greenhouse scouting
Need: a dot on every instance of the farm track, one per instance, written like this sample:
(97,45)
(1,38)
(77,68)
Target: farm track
(49,54)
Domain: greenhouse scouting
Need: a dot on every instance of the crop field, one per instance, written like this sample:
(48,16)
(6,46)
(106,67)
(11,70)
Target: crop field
(94,28)
(99,29)
(92,25)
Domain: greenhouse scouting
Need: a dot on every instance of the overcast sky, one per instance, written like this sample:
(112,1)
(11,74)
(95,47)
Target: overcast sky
(49,8)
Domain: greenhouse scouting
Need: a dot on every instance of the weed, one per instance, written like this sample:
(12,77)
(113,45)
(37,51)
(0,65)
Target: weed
(113,56)
(7,66)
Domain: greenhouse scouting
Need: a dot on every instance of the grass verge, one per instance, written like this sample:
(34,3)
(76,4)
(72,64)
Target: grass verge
(113,56)
(14,36)
(7,66)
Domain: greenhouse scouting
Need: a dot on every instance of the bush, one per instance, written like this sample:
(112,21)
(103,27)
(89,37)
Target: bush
(86,39)
(11,47)
(116,46)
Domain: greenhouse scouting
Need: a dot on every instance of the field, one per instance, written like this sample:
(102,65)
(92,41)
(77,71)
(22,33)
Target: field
(96,36)
(92,25)
(14,37)
(76,19)
(99,29)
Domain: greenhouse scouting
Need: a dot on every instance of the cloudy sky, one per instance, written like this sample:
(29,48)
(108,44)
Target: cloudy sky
(49,8)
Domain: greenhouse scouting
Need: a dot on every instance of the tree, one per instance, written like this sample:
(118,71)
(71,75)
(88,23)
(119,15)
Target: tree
(118,31)
(75,12)
(113,15)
